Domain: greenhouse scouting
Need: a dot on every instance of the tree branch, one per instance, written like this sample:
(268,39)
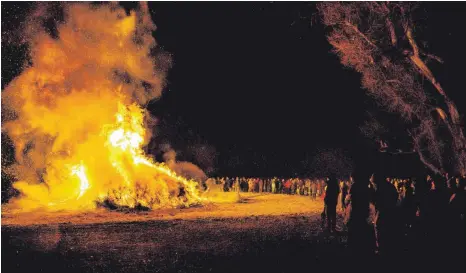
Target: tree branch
(390,26)
(355,29)
(422,158)
(432,56)
(412,42)
(425,71)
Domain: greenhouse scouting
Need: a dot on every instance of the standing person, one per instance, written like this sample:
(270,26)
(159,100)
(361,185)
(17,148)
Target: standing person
(287,186)
(273,184)
(231,182)
(251,184)
(318,188)
(437,220)
(331,200)
(437,203)
(324,187)
(267,185)
(307,186)
(301,186)
(361,235)
(422,186)
(344,193)
(313,189)
(457,207)
(408,205)
(293,186)
(387,219)
(244,185)
(451,185)
(226,184)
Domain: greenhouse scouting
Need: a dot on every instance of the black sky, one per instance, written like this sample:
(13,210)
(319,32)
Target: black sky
(257,80)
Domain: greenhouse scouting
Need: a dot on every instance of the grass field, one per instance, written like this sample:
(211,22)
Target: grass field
(248,205)
(263,233)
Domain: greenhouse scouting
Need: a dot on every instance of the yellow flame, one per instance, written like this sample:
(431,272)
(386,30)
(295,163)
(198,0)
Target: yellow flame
(84,182)
(78,129)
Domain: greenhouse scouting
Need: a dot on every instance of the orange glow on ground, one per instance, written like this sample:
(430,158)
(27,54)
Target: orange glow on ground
(251,204)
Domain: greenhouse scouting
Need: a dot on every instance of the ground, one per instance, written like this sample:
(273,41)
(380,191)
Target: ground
(263,233)
(193,239)
(250,205)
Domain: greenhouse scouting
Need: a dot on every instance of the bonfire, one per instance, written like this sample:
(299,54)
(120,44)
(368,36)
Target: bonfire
(76,119)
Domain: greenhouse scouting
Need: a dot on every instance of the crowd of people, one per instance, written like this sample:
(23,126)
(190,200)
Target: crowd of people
(389,215)
(381,213)
(313,188)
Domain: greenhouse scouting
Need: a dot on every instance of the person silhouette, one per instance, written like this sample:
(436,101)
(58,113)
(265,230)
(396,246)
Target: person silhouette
(437,221)
(331,200)
(387,219)
(361,235)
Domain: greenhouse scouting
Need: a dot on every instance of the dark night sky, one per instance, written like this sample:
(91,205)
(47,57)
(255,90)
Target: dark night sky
(256,78)
(258,82)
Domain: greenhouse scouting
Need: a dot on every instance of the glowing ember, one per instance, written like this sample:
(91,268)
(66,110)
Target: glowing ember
(75,115)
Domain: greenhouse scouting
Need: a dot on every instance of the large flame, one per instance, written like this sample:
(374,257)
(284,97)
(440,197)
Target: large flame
(75,118)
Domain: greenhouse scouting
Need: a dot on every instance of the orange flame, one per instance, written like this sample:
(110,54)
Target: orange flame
(78,129)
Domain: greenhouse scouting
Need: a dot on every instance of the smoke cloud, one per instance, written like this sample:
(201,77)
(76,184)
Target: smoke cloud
(75,112)
(183,168)
(97,54)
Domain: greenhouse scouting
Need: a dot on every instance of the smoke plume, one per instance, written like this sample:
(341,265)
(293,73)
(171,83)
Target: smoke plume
(75,112)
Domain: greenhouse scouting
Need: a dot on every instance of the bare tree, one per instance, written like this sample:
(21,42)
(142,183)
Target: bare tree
(377,39)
